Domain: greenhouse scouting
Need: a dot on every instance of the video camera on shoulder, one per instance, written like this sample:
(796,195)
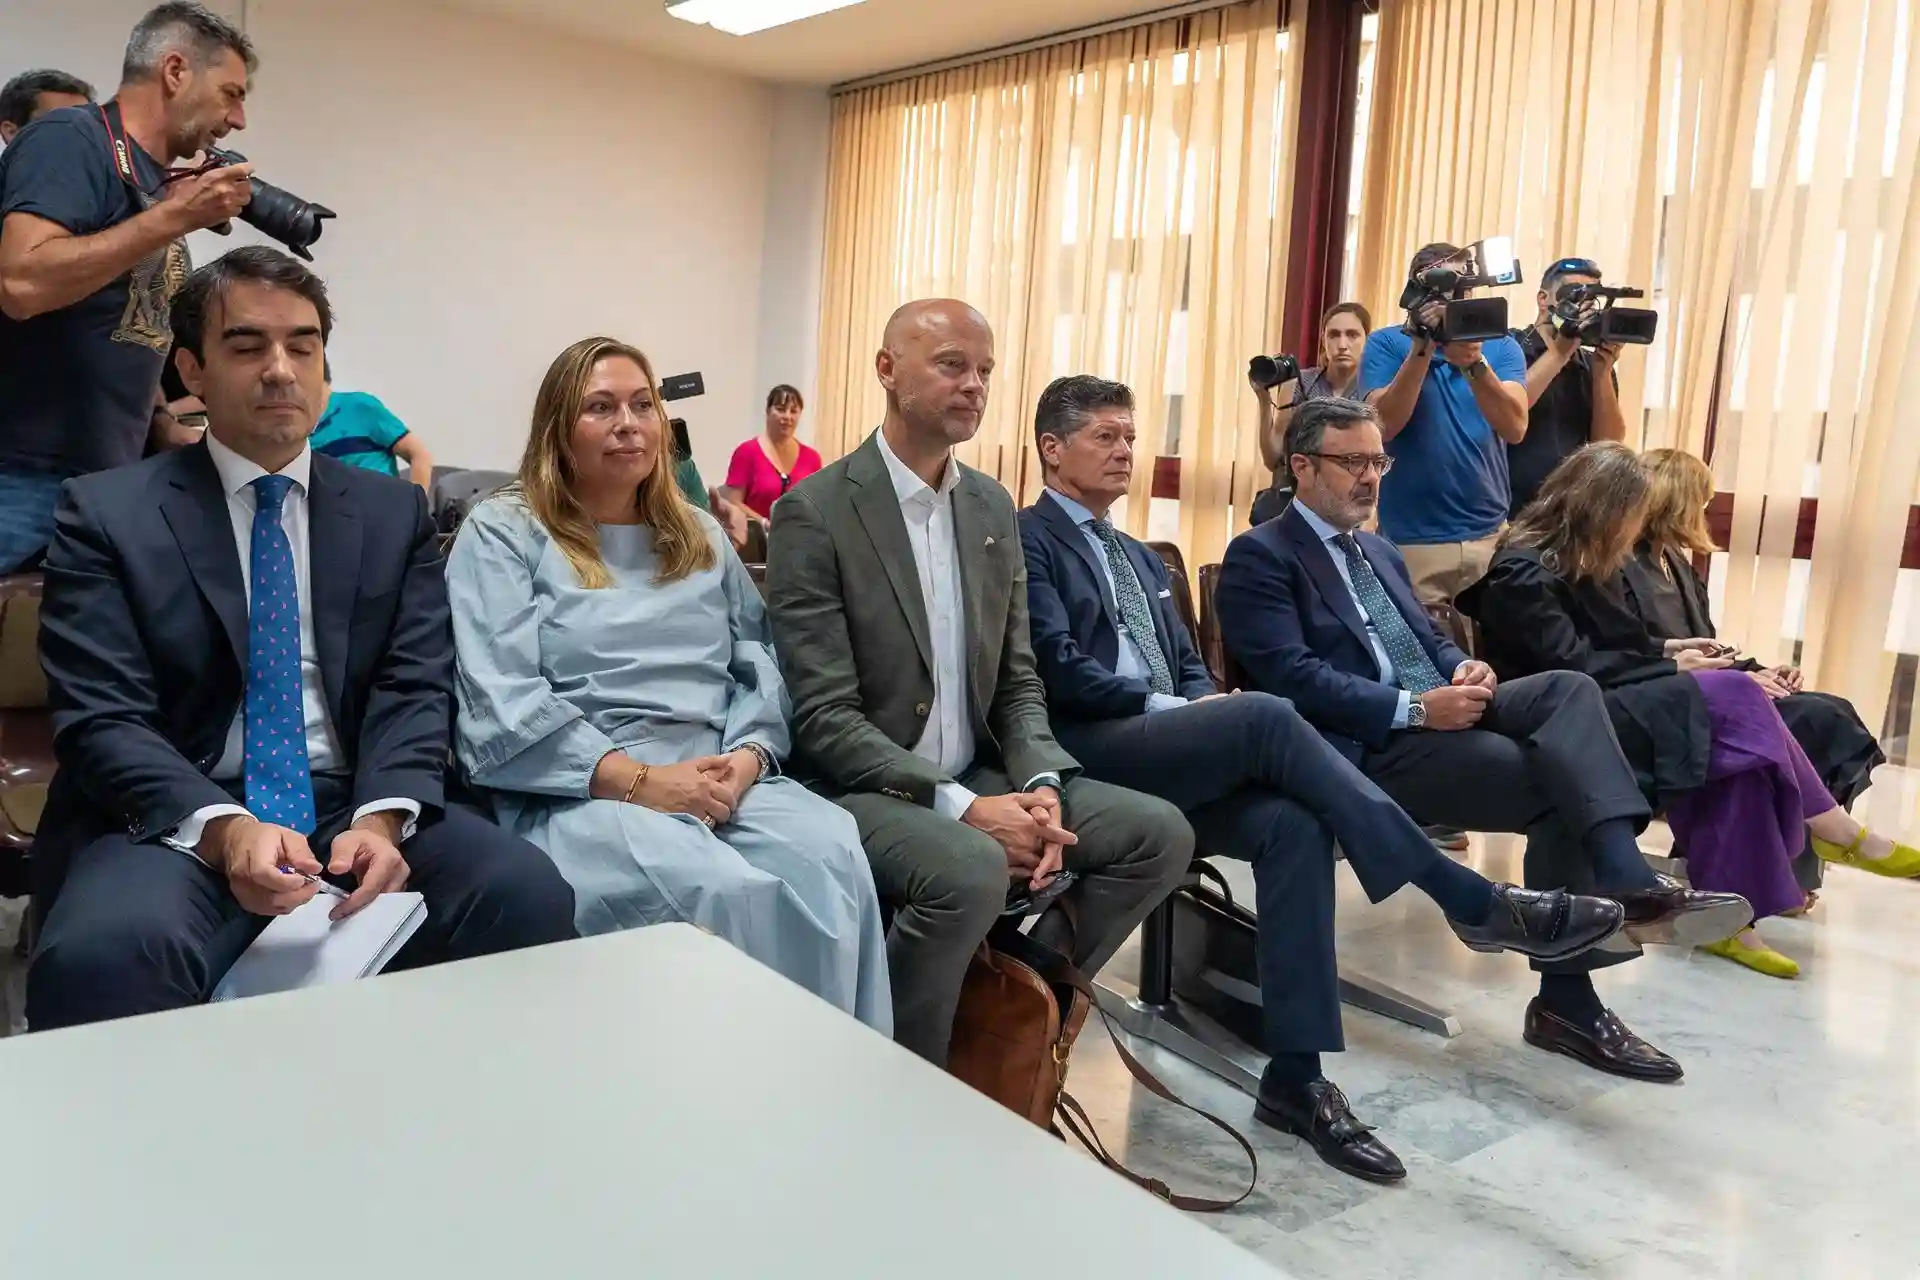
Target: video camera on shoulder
(1484,262)
(1587,311)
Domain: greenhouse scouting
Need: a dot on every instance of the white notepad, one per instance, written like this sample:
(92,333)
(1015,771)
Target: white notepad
(305,949)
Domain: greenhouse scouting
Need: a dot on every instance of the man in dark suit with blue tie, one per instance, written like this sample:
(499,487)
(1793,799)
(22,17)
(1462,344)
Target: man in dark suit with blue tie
(250,664)
(1320,612)
(1128,695)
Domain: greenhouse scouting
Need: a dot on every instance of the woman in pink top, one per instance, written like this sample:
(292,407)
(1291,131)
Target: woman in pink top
(773,462)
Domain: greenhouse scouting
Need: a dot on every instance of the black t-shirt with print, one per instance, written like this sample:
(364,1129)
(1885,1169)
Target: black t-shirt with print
(1558,425)
(77,384)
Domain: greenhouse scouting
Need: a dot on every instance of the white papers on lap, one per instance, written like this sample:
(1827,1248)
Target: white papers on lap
(305,949)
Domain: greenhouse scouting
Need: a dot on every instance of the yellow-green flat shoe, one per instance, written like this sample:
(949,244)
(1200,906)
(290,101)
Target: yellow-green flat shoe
(1759,959)
(1902,864)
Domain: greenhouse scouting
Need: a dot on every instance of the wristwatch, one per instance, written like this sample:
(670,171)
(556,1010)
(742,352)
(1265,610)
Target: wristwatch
(1416,714)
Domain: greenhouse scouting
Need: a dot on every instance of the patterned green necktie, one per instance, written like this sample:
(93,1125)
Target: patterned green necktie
(1133,606)
(1413,670)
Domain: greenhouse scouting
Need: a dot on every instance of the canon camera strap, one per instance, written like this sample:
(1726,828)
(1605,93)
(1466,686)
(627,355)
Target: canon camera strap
(122,158)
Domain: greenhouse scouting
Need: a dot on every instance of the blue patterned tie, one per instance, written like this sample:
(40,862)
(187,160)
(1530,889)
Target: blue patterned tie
(1413,670)
(1132,601)
(278,774)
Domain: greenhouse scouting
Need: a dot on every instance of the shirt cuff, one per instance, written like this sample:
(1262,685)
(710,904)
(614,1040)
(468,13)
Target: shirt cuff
(186,836)
(1164,702)
(1404,711)
(400,804)
(951,800)
(1048,779)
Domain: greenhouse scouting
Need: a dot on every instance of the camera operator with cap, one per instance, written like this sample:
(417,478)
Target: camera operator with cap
(1343,334)
(1447,412)
(1573,393)
(32,94)
(92,250)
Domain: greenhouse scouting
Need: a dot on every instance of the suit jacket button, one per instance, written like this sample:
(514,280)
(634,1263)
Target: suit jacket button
(921,708)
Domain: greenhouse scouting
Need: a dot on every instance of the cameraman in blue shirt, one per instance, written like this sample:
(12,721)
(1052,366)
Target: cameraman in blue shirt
(1447,422)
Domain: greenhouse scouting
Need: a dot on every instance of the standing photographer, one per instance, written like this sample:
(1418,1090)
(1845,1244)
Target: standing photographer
(92,250)
(1447,423)
(1574,393)
(1343,334)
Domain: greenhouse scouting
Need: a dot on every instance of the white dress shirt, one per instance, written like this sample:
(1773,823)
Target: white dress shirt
(1327,533)
(237,475)
(1131,664)
(947,742)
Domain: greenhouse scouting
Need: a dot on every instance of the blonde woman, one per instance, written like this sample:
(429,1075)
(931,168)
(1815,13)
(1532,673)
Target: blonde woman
(1705,741)
(619,697)
(1671,600)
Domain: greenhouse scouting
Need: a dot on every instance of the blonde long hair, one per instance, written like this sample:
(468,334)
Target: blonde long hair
(1585,518)
(1677,511)
(548,474)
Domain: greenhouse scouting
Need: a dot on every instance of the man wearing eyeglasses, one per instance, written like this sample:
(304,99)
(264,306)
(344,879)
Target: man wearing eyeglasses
(1573,394)
(1448,411)
(1320,612)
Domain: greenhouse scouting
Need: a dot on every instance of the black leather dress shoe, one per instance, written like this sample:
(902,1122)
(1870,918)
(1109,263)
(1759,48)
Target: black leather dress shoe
(1319,1113)
(1606,1046)
(1544,924)
(1670,914)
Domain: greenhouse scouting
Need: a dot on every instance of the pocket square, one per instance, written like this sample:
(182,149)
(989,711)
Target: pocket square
(989,541)
(1167,594)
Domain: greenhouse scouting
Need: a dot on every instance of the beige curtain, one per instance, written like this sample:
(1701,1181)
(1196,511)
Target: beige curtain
(1752,163)
(1116,205)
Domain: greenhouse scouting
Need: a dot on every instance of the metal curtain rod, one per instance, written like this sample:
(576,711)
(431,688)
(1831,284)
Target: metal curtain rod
(1038,42)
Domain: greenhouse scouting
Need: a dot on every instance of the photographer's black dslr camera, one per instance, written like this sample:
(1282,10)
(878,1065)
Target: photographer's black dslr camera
(275,211)
(1484,262)
(1268,372)
(1587,311)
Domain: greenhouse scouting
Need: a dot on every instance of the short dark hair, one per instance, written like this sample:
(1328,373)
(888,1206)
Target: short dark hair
(1430,254)
(21,95)
(783,395)
(1307,432)
(259,263)
(1564,267)
(1068,402)
(1353,309)
(169,26)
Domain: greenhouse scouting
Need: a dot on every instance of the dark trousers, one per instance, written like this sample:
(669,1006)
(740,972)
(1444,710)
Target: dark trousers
(1543,760)
(141,928)
(1260,784)
(948,883)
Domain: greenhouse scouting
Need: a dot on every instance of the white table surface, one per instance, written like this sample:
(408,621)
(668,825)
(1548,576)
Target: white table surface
(641,1105)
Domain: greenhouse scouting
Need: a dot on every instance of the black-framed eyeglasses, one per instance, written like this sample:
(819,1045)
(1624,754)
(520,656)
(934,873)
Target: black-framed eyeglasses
(1357,464)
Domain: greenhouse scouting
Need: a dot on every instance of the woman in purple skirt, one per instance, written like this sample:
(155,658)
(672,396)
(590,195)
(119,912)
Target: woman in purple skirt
(1705,740)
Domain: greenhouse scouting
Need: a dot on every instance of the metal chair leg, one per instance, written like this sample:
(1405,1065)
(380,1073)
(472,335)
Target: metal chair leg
(1374,996)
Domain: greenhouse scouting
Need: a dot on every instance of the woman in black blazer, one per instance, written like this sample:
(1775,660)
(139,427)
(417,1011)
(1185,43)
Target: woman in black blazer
(1670,599)
(1705,740)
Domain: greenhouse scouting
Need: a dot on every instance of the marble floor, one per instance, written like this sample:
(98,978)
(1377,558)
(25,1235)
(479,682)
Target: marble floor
(1788,1151)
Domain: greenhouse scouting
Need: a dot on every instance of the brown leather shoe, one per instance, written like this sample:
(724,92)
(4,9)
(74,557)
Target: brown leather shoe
(1671,914)
(1319,1113)
(1606,1046)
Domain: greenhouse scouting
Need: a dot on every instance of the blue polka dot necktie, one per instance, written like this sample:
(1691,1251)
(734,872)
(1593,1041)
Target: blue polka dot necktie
(278,775)
(1413,670)
(1134,611)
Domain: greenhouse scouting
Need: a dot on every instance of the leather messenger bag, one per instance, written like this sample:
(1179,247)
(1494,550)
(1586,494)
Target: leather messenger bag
(1021,1009)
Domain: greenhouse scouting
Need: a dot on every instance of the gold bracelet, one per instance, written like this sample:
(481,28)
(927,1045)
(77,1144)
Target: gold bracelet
(634,786)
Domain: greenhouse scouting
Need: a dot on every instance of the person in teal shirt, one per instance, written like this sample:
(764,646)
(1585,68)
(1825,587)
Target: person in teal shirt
(359,430)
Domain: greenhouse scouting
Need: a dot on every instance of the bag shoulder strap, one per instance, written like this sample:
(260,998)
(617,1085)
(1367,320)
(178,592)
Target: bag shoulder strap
(1078,1123)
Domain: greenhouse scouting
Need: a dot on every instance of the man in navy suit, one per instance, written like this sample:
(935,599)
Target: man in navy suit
(1129,697)
(250,664)
(1318,611)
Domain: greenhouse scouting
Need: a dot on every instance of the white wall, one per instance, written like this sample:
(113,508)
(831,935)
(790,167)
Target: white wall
(502,192)
(795,245)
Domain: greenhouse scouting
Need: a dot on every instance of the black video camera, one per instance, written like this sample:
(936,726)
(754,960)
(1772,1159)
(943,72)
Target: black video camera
(275,211)
(1587,311)
(1268,372)
(1484,262)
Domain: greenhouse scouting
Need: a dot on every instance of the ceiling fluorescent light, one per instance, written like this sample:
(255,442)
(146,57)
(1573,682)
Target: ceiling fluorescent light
(744,17)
